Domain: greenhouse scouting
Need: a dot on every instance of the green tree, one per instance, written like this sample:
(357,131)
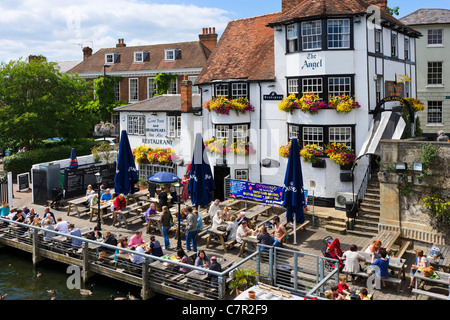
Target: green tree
(163,81)
(393,11)
(38,102)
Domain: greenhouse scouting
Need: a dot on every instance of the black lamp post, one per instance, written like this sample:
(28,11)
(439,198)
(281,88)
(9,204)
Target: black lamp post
(98,178)
(178,187)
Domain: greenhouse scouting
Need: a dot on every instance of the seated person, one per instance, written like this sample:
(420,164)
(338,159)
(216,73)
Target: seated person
(363,294)
(136,239)
(352,261)
(202,260)
(336,294)
(76,243)
(61,226)
(182,257)
(342,285)
(136,258)
(120,202)
(4,210)
(106,196)
(155,247)
(232,228)
(264,238)
(150,211)
(46,212)
(243,231)
(111,240)
(215,266)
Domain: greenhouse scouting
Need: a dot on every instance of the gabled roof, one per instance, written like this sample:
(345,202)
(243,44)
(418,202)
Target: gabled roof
(245,51)
(162,103)
(66,65)
(427,16)
(310,9)
(193,55)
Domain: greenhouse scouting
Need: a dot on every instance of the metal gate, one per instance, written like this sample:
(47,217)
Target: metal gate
(4,196)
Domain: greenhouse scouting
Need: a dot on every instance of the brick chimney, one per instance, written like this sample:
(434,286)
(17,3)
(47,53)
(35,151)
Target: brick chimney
(381,3)
(87,52)
(186,95)
(208,38)
(289,4)
(120,44)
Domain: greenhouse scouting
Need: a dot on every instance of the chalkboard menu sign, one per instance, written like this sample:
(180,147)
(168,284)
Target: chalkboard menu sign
(23,181)
(77,180)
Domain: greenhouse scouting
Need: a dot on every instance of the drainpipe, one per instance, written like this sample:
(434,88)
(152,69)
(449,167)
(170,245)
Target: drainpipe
(260,126)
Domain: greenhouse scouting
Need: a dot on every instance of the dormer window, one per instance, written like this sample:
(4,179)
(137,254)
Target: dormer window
(170,55)
(139,56)
(109,58)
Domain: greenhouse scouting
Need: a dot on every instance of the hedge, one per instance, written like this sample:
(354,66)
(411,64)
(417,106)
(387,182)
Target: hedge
(22,162)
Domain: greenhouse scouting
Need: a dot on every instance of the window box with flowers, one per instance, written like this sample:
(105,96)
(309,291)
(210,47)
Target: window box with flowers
(227,111)
(343,103)
(309,153)
(222,146)
(309,102)
(341,154)
(104,129)
(148,155)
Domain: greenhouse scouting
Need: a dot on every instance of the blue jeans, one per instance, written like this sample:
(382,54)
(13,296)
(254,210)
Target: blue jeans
(191,236)
(276,243)
(165,232)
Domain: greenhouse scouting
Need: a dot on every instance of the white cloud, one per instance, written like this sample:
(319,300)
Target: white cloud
(55,28)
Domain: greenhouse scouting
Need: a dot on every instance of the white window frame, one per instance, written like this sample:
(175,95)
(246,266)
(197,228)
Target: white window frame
(193,79)
(130,88)
(174,126)
(317,132)
(294,132)
(292,86)
(435,75)
(147,170)
(407,49)
(221,90)
(311,35)
(435,112)
(340,39)
(173,89)
(313,83)
(239,89)
(340,135)
(435,36)
(292,37)
(394,45)
(151,86)
(136,125)
(107,56)
(378,41)
(343,86)
(379,88)
(117,91)
(137,54)
(168,52)
(222,132)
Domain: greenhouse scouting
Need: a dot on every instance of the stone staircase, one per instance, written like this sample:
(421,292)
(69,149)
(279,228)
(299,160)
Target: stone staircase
(366,224)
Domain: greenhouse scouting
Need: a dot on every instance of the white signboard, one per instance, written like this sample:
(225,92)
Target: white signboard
(156,132)
(312,62)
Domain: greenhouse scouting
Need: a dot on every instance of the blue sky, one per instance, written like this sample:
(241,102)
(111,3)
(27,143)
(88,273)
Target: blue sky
(59,29)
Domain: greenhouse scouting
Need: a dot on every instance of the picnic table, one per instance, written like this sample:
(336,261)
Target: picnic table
(231,203)
(443,261)
(128,214)
(444,279)
(398,265)
(154,220)
(248,239)
(221,234)
(387,238)
(135,197)
(103,206)
(253,213)
(76,203)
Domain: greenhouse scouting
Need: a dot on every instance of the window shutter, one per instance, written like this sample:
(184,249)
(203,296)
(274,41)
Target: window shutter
(116,57)
(177,54)
(146,56)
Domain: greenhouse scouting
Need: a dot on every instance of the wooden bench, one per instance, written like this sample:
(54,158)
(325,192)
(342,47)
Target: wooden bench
(302,226)
(396,281)
(405,245)
(76,203)
(430,294)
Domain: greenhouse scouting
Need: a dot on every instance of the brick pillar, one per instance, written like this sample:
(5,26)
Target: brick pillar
(186,95)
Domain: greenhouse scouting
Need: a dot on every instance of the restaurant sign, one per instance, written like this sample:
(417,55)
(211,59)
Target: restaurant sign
(156,132)
(265,193)
(273,96)
(312,62)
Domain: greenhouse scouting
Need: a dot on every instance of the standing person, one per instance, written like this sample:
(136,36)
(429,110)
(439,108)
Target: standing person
(421,263)
(166,219)
(185,193)
(61,226)
(383,265)
(352,259)
(191,230)
(280,232)
(214,208)
(162,196)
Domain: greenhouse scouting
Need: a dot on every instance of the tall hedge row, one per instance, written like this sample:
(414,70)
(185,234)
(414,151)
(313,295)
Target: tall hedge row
(22,162)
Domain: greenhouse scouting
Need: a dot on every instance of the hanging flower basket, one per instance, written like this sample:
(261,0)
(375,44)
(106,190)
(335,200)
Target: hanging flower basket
(104,128)
(283,151)
(289,104)
(222,105)
(343,103)
(340,153)
(148,155)
(415,103)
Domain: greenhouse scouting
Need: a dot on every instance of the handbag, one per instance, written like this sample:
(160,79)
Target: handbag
(222,228)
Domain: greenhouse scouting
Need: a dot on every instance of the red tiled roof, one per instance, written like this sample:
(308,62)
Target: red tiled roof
(308,9)
(245,51)
(193,55)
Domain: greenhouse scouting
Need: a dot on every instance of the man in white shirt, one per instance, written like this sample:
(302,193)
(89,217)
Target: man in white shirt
(62,226)
(214,208)
(242,231)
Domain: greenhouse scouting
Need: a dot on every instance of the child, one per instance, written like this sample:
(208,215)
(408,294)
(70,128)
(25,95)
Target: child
(336,294)
(343,287)
(363,294)
(383,264)
(329,294)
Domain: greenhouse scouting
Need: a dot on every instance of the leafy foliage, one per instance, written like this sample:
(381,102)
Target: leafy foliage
(162,81)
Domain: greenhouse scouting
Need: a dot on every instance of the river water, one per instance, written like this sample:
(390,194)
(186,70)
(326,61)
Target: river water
(21,281)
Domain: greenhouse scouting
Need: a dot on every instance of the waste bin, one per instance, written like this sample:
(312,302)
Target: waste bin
(284,275)
(351,209)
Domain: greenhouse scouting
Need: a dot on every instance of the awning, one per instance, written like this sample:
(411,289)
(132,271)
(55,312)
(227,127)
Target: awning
(386,125)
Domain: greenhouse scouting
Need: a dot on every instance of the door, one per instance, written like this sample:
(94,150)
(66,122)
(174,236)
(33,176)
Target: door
(220,172)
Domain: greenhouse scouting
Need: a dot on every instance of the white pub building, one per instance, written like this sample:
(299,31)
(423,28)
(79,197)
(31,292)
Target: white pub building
(310,51)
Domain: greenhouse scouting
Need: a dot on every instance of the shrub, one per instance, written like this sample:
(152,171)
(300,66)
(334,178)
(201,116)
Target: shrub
(22,162)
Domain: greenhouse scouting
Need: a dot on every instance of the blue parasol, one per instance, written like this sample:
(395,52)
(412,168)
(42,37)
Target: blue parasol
(201,181)
(73,160)
(163,177)
(126,173)
(293,193)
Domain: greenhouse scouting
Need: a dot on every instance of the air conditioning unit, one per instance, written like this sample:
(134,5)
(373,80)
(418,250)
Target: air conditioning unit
(342,197)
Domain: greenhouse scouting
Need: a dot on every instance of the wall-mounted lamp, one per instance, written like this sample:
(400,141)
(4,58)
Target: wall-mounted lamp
(272,86)
(357,20)
(279,28)
(206,90)
(417,167)
(401,167)
(154,114)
